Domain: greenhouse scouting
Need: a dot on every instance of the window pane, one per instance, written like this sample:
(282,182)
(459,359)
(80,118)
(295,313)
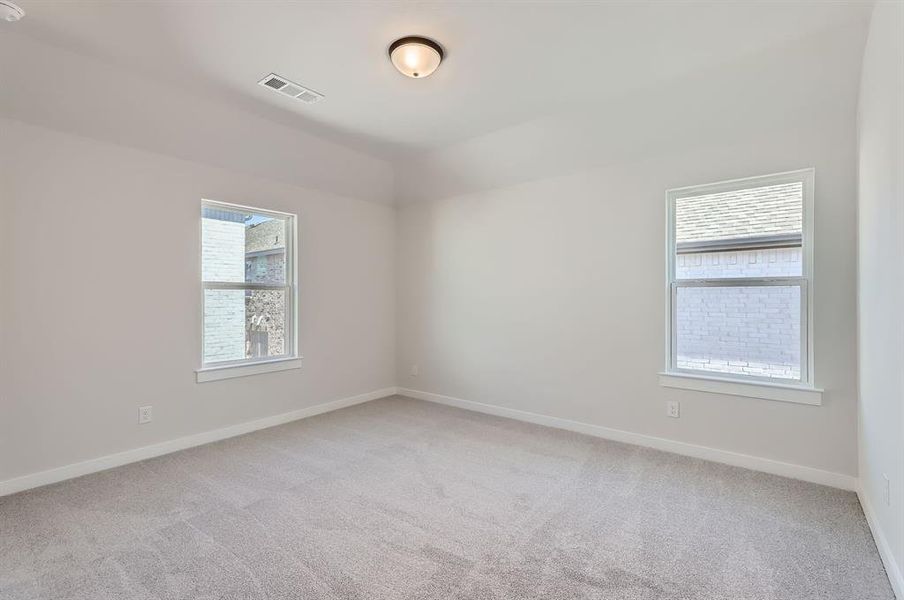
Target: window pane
(242,247)
(224,325)
(265,321)
(265,250)
(739,330)
(241,324)
(753,232)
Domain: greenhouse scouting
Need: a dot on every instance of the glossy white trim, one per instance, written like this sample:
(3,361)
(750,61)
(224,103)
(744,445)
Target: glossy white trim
(243,370)
(746,461)
(895,576)
(290,287)
(33,480)
(760,389)
(807,178)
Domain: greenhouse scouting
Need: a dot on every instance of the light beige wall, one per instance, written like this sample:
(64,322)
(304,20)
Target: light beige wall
(881,281)
(108,102)
(549,296)
(735,99)
(100,285)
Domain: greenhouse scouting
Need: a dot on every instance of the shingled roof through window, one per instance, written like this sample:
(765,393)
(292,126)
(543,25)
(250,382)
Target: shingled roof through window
(772,210)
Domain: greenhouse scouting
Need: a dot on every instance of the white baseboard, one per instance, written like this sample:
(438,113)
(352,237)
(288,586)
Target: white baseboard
(888,559)
(755,463)
(25,482)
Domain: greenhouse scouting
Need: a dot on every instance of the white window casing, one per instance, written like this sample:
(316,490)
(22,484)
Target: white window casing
(797,389)
(212,370)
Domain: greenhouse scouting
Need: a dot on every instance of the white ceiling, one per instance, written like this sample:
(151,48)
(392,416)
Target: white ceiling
(507,62)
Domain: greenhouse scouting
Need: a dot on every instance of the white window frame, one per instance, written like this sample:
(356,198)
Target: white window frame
(803,390)
(250,366)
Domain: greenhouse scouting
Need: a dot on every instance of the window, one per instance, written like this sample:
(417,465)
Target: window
(740,280)
(248,281)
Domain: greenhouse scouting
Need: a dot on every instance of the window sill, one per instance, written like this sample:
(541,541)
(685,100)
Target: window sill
(722,385)
(230,371)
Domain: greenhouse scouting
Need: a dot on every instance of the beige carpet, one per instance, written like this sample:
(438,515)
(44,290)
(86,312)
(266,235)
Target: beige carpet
(403,499)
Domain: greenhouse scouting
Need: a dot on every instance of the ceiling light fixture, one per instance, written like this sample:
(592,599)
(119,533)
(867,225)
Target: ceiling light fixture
(10,12)
(415,56)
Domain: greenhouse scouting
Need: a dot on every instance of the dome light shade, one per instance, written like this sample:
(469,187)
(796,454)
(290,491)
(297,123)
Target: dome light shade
(9,12)
(415,57)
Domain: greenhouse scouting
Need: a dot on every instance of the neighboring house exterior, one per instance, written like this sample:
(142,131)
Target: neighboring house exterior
(265,262)
(241,324)
(749,233)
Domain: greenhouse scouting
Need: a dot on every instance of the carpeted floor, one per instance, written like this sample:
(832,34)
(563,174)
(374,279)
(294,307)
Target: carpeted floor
(403,499)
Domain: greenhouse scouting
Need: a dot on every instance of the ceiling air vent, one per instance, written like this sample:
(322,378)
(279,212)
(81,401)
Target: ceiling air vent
(289,88)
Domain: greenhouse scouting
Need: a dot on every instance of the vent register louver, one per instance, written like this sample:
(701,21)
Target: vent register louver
(289,88)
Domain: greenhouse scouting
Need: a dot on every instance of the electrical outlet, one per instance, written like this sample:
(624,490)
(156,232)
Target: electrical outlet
(887,490)
(145,414)
(673,409)
(414,370)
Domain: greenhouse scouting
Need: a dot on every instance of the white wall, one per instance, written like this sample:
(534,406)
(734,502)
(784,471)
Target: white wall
(100,276)
(881,282)
(548,296)
(82,95)
(731,101)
